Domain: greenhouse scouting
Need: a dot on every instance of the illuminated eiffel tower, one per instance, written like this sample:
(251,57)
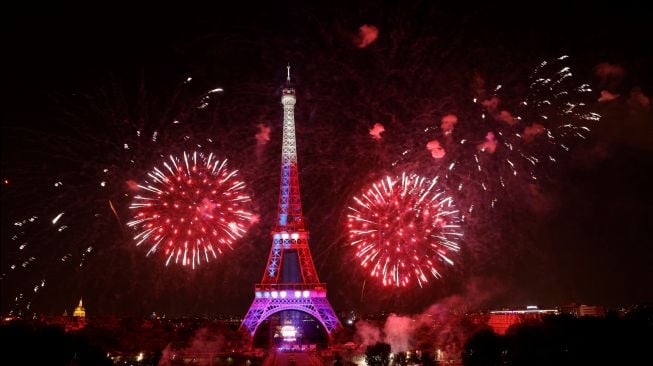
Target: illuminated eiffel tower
(290,281)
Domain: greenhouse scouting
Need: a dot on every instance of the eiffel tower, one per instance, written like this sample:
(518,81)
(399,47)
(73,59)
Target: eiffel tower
(290,281)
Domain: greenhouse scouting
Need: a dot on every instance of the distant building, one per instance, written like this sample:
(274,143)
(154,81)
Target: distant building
(570,309)
(501,320)
(583,310)
(79,310)
(591,310)
(69,323)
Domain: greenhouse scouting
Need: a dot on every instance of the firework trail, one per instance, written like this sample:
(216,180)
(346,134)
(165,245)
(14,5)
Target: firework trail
(403,228)
(189,208)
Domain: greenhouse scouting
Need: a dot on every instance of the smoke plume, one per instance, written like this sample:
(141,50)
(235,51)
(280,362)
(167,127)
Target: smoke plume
(366,35)
(437,151)
(376,131)
(448,123)
(263,134)
(489,145)
(205,341)
(533,130)
(442,325)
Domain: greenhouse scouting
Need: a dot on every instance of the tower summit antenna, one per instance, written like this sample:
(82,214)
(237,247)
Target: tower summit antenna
(288,67)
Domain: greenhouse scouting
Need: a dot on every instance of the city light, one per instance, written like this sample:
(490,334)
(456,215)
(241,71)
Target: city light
(288,332)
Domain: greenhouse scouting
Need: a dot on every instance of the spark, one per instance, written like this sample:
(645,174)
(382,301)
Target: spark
(54,221)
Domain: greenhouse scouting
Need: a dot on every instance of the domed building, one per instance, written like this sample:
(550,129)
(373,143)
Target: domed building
(79,310)
(75,322)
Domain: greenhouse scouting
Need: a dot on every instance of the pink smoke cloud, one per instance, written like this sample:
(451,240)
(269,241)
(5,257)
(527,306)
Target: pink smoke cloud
(203,340)
(489,145)
(132,185)
(376,131)
(366,35)
(606,96)
(607,71)
(452,331)
(478,85)
(540,203)
(448,123)
(442,325)
(491,104)
(367,333)
(638,98)
(206,339)
(507,117)
(533,130)
(399,331)
(263,134)
(437,151)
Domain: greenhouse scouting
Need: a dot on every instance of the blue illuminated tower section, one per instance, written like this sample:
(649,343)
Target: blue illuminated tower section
(290,281)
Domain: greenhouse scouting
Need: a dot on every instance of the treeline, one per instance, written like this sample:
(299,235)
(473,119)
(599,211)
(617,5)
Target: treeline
(33,343)
(567,340)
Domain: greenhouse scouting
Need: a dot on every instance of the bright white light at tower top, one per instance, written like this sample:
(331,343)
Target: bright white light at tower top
(404,228)
(189,208)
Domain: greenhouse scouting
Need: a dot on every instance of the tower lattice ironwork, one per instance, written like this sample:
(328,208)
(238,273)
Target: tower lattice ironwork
(279,291)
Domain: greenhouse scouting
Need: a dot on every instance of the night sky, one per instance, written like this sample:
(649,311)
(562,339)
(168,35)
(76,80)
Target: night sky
(79,84)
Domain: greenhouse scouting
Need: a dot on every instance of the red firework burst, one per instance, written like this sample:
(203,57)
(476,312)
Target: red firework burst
(190,208)
(404,228)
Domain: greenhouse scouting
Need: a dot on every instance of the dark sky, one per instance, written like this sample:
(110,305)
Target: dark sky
(79,82)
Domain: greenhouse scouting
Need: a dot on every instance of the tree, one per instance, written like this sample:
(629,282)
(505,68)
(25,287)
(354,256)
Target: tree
(400,358)
(378,354)
(483,349)
(427,360)
(338,360)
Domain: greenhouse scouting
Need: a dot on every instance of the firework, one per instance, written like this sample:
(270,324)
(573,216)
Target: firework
(189,208)
(541,127)
(505,137)
(72,210)
(404,228)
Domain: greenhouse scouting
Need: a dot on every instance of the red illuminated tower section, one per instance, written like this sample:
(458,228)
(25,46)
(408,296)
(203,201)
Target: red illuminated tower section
(290,281)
